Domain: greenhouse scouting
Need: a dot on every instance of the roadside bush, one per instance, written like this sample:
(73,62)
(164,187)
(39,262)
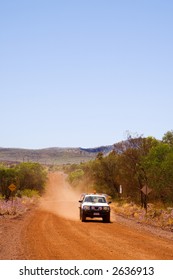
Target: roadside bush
(26,175)
(27,193)
(75,176)
(31,176)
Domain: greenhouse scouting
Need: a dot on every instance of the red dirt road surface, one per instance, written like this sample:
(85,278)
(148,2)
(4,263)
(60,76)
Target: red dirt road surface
(53,231)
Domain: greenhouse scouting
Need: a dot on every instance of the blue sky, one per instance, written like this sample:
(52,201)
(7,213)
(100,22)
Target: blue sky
(81,73)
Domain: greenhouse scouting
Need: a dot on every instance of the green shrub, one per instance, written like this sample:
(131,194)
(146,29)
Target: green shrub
(75,175)
(28,192)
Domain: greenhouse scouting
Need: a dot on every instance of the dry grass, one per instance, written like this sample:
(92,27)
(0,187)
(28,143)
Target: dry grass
(17,206)
(159,217)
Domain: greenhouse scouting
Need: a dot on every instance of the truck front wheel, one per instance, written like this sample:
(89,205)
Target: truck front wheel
(83,217)
(106,219)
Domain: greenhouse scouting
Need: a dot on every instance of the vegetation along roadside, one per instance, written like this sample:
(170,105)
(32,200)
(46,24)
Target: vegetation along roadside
(137,174)
(28,179)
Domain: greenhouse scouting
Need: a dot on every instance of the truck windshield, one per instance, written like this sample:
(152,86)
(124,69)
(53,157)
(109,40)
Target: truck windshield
(95,199)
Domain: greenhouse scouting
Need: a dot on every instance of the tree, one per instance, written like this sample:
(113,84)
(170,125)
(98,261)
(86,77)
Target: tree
(7,177)
(75,176)
(168,138)
(132,175)
(31,176)
(104,173)
(158,165)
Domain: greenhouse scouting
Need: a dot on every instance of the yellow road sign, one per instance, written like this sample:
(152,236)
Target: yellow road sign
(12,187)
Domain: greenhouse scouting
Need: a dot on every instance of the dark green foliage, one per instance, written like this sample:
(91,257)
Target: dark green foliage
(132,175)
(158,166)
(25,176)
(31,176)
(7,176)
(104,171)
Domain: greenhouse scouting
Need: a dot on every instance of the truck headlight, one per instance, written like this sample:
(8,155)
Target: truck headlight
(106,208)
(86,207)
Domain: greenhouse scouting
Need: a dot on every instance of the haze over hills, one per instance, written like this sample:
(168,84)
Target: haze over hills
(53,155)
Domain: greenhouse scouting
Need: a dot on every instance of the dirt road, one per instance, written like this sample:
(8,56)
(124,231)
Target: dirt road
(53,231)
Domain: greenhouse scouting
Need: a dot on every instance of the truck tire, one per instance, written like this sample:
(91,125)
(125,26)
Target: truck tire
(83,217)
(106,219)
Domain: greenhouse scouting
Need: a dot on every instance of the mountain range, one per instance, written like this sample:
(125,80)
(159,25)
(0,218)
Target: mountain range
(52,156)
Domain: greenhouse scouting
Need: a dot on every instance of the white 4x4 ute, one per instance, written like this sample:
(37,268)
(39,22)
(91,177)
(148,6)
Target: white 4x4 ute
(94,206)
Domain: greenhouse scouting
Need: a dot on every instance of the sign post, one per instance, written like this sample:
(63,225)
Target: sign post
(146,190)
(121,189)
(12,188)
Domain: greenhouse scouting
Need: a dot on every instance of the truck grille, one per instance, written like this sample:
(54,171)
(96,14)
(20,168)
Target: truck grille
(96,208)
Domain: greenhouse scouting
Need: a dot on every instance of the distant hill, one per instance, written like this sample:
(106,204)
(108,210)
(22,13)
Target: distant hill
(52,155)
(102,149)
